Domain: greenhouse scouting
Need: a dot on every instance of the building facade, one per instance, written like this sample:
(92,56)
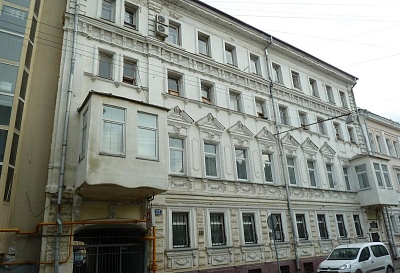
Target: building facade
(186,140)
(30,49)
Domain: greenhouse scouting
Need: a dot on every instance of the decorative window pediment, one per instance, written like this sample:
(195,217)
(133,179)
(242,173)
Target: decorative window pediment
(267,140)
(210,127)
(241,134)
(310,149)
(290,144)
(178,121)
(327,152)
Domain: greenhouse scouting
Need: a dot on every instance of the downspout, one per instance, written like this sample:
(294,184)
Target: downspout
(283,166)
(389,231)
(64,143)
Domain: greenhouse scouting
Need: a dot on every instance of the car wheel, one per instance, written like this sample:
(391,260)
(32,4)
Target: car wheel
(389,269)
(359,271)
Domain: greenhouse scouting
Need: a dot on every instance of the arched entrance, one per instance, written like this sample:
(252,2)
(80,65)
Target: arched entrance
(109,249)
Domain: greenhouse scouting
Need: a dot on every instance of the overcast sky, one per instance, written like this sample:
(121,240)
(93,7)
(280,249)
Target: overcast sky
(361,37)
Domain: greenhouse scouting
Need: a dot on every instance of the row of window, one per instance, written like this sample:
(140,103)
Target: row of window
(219,230)
(389,146)
(212,161)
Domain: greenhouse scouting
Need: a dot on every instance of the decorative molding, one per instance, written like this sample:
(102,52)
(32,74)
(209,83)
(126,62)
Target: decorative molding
(328,152)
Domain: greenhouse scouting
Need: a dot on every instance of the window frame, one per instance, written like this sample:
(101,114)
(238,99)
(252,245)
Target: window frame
(330,175)
(337,129)
(346,177)
(153,129)
(256,239)
(350,131)
(277,72)
(191,233)
(128,79)
(281,227)
(255,65)
(230,50)
(283,115)
(178,82)
(321,126)
(303,118)
(270,164)
(117,122)
(216,155)
(181,150)
(303,222)
(329,94)
(261,104)
(112,10)
(314,170)
(246,160)
(201,36)
(343,100)
(341,221)
(363,174)
(296,81)
(358,225)
(177,27)
(133,12)
(234,94)
(313,87)
(325,224)
(110,65)
(226,227)
(294,167)
(84,132)
(208,87)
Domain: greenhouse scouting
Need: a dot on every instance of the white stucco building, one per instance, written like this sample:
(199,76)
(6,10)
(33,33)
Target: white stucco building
(215,125)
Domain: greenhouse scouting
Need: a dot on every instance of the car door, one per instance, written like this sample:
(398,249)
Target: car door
(366,260)
(381,257)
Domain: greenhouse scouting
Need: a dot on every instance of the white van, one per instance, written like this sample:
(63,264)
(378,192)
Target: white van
(358,258)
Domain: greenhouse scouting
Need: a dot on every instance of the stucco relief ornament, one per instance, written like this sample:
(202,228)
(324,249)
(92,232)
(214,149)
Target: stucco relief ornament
(181,262)
(94,78)
(178,129)
(220,258)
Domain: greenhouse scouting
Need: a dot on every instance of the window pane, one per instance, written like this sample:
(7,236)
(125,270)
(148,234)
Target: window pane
(12,19)
(107,11)
(268,167)
(9,182)
(3,141)
(113,113)
(10,47)
(105,63)
(8,77)
(146,120)
(180,230)
(176,155)
(14,148)
(249,231)
(241,164)
(23,3)
(113,137)
(210,148)
(147,142)
(20,112)
(217,229)
(5,109)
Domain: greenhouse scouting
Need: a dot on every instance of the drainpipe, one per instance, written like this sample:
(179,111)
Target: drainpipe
(283,165)
(389,232)
(64,143)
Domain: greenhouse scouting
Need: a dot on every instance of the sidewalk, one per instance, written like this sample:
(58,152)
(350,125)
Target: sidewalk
(396,264)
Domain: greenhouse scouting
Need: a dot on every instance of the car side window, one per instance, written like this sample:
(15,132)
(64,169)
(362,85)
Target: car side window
(379,250)
(365,254)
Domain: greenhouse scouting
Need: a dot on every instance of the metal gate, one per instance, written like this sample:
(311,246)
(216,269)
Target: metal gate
(109,250)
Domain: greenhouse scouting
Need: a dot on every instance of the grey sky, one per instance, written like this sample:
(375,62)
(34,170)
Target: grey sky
(361,37)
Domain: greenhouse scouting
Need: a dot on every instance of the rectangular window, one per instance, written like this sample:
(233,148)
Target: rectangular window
(352,138)
(314,87)
(108,10)
(357,225)
(234,101)
(386,175)
(267,161)
(84,133)
(174,84)
(211,159)
(394,224)
(130,17)
(296,80)
(321,126)
(395,149)
(241,163)
(255,64)
(180,229)
(378,174)
(230,54)
(291,164)
(176,155)
(217,228)
(397,171)
(301,227)
(147,135)
(329,94)
(311,173)
(329,171)
(174,34)
(303,120)
(106,65)
(113,130)
(203,42)
(129,75)
(283,115)
(346,178)
(371,142)
(323,229)
(260,108)
(6,102)
(379,144)
(9,184)
(343,100)
(249,228)
(278,234)
(390,146)
(341,226)
(277,72)
(361,171)
(337,131)
(206,92)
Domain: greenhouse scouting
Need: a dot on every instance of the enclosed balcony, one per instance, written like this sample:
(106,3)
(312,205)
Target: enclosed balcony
(375,183)
(123,149)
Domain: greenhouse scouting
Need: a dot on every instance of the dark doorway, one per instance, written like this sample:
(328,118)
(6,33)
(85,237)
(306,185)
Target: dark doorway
(109,249)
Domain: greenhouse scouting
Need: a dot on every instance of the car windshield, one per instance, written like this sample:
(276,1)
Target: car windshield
(344,254)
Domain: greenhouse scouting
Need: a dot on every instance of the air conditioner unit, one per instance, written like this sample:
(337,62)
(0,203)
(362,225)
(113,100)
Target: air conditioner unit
(162,30)
(161,19)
